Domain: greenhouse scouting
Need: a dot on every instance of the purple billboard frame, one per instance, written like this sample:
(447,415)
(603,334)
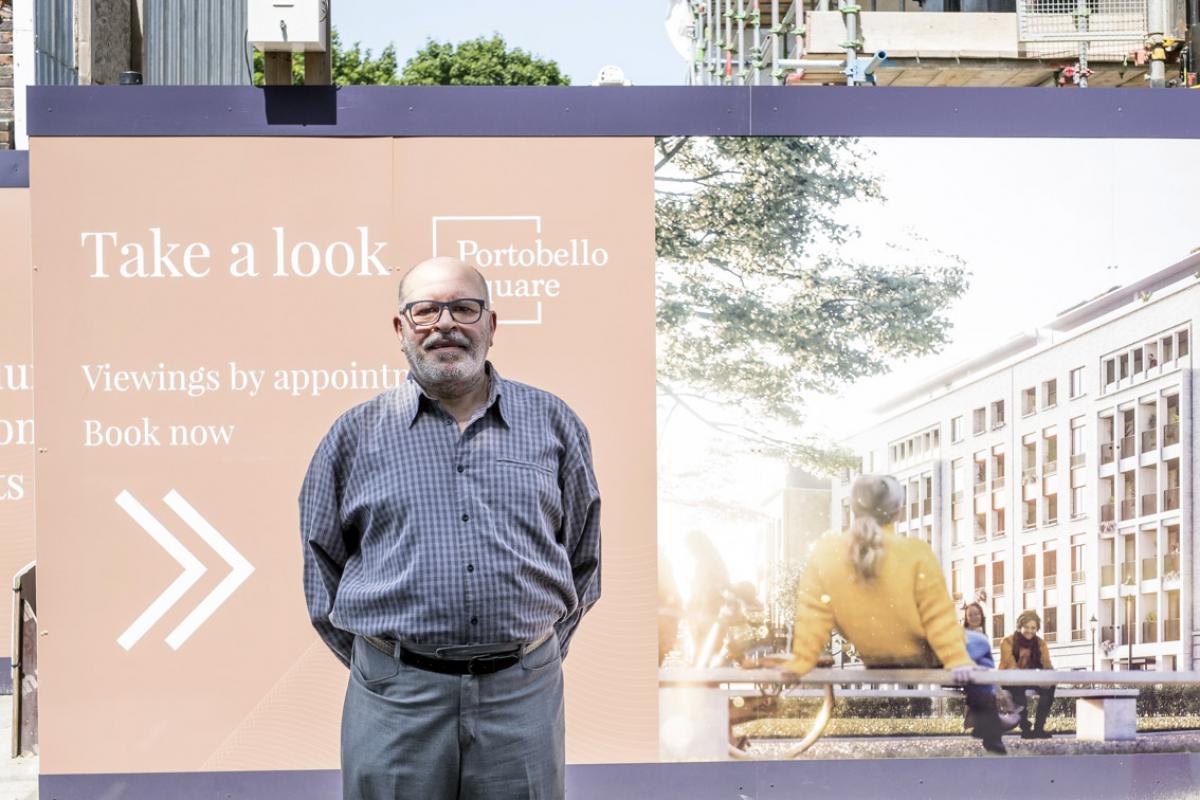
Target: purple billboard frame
(14,169)
(641,111)
(626,111)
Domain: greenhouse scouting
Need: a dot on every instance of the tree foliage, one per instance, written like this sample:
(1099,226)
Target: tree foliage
(479,62)
(758,303)
(350,66)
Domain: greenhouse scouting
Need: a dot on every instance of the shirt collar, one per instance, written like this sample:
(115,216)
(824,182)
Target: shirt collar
(416,399)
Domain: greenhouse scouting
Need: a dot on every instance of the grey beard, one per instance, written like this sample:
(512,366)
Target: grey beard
(444,379)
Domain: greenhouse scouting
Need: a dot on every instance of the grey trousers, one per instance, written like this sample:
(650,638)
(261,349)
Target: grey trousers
(410,733)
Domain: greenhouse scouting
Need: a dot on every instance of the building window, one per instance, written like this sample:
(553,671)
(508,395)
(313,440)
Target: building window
(1137,361)
(1079,630)
(979,421)
(1078,451)
(1078,574)
(1110,372)
(1123,366)
(1050,393)
(1028,401)
(1168,348)
(956,586)
(1051,506)
(956,429)
(1030,518)
(998,414)
(1078,487)
(1050,624)
(1076,382)
(1049,565)
(997,575)
(1049,452)
(1183,343)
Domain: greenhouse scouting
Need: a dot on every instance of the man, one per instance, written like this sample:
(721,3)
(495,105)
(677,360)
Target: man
(451,532)
(1026,650)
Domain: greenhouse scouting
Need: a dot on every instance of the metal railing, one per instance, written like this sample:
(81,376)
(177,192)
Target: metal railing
(1128,509)
(1170,434)
(1149,504)
(1128,572)
(1149,441)
(1050,468)
(1079,576)
(1029,583)
(997,482)
(1149,568)
(1107,453)
(1078,459)
(1078,636)
(997,590)
(1106,512)
(1171,566)
(1149,632)
(1107,575)
(1050,581)
(1171,499)
(1029,475)
(1127,446)
(1170,630)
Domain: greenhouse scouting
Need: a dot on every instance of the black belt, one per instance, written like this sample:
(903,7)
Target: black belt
(481,664)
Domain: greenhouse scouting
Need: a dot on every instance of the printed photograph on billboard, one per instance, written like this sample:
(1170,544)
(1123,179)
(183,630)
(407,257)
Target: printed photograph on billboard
(1001,352)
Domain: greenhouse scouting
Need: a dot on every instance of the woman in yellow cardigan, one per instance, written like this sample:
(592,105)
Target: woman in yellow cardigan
(887,595)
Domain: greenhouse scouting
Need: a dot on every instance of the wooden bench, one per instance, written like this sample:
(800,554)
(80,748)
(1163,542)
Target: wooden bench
(694,703)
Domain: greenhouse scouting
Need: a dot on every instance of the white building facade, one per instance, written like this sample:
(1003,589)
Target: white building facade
(1058,473)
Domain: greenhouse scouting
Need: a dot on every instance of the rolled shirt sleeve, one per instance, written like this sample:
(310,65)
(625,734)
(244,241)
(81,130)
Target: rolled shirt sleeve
(814,621)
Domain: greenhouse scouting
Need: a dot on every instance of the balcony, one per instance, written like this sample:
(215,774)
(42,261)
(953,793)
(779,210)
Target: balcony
(997,590)
(1108,634)
(1171,499)
(1107,454)
(1029,584)
(1170,630)
(1078,459)
(1028,475)
(1125,634)
(1149,568)
(1149,441)
(1149,504)
(1050,468)
(1127,446)
(980,534)
(1050,636)
(1078,636)
(1128,509)
(1051,580)
(1171,566)
(1170,434)
(1079,576)
(1106,512)
(980,488)
(927,506)
(1128,573)
(1149,632)
(997,482)
(1107,575)
(914,510)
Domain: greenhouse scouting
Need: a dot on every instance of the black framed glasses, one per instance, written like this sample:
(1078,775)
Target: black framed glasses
(465,311)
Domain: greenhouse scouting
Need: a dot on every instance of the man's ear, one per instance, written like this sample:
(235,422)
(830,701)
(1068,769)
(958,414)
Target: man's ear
(398,325)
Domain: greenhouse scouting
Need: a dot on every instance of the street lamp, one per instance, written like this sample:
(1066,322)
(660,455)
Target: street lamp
(1092,623)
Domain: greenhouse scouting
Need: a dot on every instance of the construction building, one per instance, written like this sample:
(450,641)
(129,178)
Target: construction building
(1058,472)
(943,42)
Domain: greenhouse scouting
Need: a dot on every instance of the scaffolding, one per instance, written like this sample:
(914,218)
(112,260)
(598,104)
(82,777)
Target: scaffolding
(1012,42)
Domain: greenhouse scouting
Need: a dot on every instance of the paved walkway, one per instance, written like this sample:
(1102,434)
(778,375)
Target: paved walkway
(959,746)
(18,776)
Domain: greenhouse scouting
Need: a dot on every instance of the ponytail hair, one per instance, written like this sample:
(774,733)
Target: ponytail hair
(876,501)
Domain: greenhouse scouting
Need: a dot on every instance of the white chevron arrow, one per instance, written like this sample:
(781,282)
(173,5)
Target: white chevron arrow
(240,569)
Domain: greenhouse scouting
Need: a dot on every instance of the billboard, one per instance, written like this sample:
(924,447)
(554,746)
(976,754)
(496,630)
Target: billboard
(200,321)
(16,403)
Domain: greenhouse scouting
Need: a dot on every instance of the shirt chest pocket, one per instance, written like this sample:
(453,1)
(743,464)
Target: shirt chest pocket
(527,492)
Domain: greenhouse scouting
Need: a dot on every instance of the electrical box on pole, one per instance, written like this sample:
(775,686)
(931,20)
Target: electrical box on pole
(289,26)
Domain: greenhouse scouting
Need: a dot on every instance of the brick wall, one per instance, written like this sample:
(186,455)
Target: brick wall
(6,75)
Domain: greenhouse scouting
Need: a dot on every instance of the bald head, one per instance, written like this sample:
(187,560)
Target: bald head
(438,271)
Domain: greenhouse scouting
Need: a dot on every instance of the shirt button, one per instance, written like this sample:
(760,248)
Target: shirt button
(474,620)
(470,567)
(460,468)
(466,517)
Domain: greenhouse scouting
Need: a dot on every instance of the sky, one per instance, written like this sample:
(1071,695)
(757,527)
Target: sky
(1039,224)
(581,35)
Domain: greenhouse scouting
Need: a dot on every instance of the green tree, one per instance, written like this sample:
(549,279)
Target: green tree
(479,62)
(756,303)
(353,66)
